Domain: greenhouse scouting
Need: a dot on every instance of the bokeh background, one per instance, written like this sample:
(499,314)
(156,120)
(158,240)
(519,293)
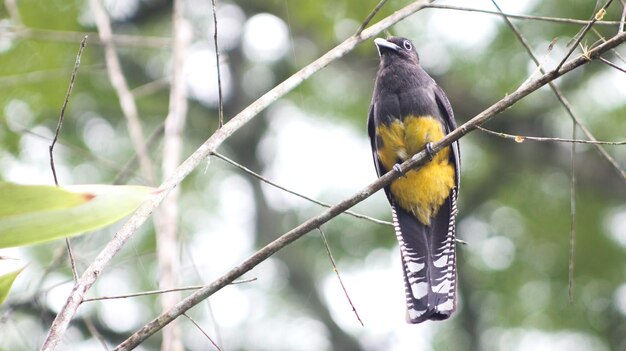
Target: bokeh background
(514,199)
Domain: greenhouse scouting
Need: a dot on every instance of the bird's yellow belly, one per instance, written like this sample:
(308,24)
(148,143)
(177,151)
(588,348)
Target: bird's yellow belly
(422,191)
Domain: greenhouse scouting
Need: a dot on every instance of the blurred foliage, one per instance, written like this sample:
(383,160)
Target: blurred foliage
(6,280)
(514,201)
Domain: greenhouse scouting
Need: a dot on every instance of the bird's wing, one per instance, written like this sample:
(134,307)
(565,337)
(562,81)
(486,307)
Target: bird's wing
(427,252)
(448,116)
(371,131)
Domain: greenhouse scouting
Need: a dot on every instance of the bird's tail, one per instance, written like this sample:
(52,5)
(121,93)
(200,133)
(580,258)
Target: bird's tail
(428,261)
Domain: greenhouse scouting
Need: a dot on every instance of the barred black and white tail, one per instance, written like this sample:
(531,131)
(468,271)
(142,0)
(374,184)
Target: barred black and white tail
(428,261)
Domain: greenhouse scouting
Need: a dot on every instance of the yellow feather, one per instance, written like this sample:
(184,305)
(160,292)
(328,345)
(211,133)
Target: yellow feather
(421,192)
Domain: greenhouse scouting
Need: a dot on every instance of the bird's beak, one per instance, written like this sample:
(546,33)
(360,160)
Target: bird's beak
(383,43)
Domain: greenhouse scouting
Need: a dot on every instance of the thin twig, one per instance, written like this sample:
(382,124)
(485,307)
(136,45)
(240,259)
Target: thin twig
(539,68)
(369,17)
(611,64)
(332,261)
(522,138)
(597,17)
(203,332)
(83,42)
(70,255)
(267,181)
(160,291)
(315,222)
(91,274)
(603,39)
(587,132)
(211,314)
(129,168)
(572,230)
(118,80)
(560,95)
(523,17)
(94,331)
(150,87)
(34,77)
(48,35)
(220,98)
(575,122)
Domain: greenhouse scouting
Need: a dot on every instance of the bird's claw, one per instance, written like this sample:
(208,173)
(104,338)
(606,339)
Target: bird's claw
(396,168)
(430,153)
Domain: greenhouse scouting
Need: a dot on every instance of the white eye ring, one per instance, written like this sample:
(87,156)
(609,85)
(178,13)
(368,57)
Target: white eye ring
(407,45)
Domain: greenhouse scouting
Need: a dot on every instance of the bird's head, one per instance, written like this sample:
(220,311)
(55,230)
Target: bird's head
(396,48)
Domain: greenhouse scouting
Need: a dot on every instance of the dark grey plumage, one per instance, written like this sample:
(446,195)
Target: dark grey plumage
(404,90)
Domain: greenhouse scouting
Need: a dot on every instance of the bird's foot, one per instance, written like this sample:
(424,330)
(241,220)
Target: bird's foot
(396,168)
(430,153)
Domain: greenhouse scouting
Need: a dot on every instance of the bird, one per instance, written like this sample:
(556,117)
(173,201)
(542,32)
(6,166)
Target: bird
(409,112)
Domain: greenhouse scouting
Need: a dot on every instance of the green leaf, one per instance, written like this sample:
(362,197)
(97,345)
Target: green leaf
(19,199)
(6,280)
(35,213)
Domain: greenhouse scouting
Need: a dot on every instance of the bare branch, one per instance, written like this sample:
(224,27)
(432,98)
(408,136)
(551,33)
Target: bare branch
(160,291)
(90,275)
(203,332)
(267,181)
(575,121)
(220,98)
(83,42)
(560,95)
(49,35)
(523,17)
(522,138)
(63,318)
(129,168)
(315,222)
(369,17)
(332,261)
(70,255)
(127,101)
(612,64)
(94,332)
(209,307)
(167,216)
(150,87)
(38,76)
(597,17)
(603,39)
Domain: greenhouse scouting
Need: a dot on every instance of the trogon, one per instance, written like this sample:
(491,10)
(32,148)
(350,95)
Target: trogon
(409,111)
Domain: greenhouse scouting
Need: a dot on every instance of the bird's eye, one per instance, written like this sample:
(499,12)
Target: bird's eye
(407,45)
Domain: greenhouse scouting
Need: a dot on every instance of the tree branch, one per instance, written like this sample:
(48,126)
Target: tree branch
(559,95)
(127,101)
(522,17)
(72,37)
(522,138)
(167,216)
(317,202)
(314,222)
(596,17)
(220,97)
(369,17)
(62,321)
